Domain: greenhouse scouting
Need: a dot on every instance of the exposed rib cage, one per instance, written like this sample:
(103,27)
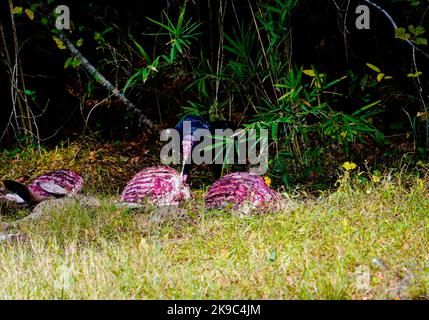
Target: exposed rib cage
(239,189)
(70,181)
(161,185)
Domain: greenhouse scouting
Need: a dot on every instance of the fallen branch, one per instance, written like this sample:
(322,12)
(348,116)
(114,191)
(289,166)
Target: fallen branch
(102,80)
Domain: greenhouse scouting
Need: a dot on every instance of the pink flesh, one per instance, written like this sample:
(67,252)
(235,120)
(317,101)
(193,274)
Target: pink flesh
(239,188)
(67,180)
(161,184)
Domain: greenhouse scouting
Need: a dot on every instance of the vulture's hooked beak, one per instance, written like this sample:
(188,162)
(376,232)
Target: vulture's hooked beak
(187,150)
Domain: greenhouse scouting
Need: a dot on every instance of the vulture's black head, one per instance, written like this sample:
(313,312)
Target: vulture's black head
(187,128)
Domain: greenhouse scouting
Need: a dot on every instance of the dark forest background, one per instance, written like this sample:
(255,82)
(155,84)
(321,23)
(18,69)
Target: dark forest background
(326,90)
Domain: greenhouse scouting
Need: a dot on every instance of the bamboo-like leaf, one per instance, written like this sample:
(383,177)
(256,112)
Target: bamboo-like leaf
(168,28)
(274,130)
(309,72)
(380,76)
(371,66)
(414,75)
(142,52)
(366,107)
(330,84)
(132,80)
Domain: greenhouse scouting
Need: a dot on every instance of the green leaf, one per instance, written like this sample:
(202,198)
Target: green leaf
(274,130)
(166,27)
(29,92)
(98,36)
(401,34)
(419,30)
(330,84)
(272,256)
(72,62)
(132,79)
(143,52)
(110,29)
(17,10)
(364,108)
(422,41)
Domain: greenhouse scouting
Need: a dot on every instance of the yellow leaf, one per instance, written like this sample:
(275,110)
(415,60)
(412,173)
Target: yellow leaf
(380,76)
(59,43)
(423,115)
(29,13)
(305,102)
(376,179)
(414,75)
(317,83)
(387,77)
(349,165)
(17,10)
(371,66)
(267,181)
(309,72)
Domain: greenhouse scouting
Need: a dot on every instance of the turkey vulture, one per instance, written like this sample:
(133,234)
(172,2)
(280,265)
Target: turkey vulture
(54,184)
(189,142)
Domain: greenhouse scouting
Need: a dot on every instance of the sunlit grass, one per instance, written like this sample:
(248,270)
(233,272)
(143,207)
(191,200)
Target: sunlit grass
(367,239)
(313,251)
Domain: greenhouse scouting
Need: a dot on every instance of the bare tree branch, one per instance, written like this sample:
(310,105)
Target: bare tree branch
(103,81)
(395,26)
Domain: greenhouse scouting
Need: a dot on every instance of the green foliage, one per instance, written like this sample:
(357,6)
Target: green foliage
(246,74)
(180,33)
(257,79)
(72,62)
(414,34)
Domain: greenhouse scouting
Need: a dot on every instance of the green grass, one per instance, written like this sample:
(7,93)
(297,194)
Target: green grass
(364,240)
(311,251)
